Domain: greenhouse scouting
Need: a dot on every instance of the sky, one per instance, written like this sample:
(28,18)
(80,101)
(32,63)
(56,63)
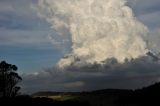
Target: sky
(28,41)
(24,37)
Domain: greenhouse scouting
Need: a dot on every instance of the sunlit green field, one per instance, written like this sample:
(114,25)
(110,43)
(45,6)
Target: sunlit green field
(92,99)
(59,97)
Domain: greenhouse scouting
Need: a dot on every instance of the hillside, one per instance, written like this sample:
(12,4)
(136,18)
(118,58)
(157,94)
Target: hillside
(111,97)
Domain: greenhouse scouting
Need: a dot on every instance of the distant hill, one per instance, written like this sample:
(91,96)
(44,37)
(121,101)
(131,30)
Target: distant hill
(146,96)
(104,91)
(46,93)
(151,88)
(110,97)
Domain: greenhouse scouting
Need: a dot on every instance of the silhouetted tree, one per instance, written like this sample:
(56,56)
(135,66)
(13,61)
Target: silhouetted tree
(8,80)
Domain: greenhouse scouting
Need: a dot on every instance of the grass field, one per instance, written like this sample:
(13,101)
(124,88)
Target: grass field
(59,97)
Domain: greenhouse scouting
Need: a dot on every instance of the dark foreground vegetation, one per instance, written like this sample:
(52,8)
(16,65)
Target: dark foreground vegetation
(8,80)
(109,97)
(29,101)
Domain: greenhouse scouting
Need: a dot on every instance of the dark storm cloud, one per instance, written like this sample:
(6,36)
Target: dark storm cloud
(134,74)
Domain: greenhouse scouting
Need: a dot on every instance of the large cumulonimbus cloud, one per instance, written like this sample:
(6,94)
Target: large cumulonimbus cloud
(108,48)
(99,30)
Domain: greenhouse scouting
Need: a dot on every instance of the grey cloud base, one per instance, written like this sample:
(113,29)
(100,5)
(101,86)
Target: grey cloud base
(129,75)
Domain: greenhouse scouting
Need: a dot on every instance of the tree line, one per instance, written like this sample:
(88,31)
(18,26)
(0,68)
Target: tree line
(9,79)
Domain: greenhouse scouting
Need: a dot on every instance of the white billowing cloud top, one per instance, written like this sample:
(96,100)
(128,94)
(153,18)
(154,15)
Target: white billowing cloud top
(99,29)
